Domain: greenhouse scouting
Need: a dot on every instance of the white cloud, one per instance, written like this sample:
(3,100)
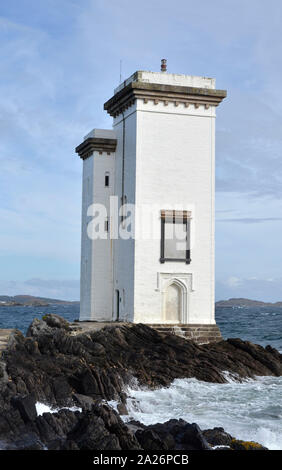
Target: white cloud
(233,281)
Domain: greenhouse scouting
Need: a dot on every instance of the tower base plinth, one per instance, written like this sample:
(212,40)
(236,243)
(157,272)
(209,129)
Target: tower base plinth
(200,333)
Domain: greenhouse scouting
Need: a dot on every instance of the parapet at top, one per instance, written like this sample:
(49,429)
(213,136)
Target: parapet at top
(164,78)
(166,88)
(101,134)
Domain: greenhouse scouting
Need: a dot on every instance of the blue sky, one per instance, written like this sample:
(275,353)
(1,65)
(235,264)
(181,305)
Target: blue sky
(60,63)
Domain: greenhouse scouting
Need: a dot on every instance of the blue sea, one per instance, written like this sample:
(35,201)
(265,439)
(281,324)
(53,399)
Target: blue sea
(21,317)
(261,325)
(251,410)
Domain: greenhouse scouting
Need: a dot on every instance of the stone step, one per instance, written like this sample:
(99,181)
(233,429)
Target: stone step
(200,334)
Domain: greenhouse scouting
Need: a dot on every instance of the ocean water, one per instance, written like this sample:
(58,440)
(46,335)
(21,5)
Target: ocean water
(21,317)
(251,410)
(261,325)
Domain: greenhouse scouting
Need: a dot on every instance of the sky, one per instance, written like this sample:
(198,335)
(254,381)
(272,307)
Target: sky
(60,61)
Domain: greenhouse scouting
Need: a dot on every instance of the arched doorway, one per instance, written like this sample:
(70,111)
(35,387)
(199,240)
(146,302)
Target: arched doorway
(173,303)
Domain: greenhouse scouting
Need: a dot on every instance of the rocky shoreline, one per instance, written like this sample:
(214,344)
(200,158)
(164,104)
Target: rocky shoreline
(58,365)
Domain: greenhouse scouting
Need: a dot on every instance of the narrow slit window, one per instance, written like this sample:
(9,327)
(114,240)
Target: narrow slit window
(107,180)
(106,225)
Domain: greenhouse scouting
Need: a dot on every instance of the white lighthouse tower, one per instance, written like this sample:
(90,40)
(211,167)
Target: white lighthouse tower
(159,159)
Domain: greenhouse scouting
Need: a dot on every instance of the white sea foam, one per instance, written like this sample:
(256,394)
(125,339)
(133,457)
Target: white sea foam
(43,408)
(113,404)
(220,447)
(250,410)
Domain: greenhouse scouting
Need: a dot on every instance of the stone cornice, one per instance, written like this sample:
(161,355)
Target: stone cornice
(92,144)
(165,93)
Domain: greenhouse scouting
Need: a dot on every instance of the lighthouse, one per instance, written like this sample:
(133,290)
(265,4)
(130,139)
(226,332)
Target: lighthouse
(147,245)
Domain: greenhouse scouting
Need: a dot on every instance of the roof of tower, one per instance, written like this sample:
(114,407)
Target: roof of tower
(166,87)
(165,78)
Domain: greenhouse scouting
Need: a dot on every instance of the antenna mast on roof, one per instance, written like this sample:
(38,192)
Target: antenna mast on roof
(120,70)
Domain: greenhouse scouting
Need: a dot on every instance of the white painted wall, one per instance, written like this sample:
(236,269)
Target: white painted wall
(86,244)
(96,256)
(124,249)
(175,165)
(168,164)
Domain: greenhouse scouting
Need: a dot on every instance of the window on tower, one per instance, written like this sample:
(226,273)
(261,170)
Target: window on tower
(107,179)
(175,236)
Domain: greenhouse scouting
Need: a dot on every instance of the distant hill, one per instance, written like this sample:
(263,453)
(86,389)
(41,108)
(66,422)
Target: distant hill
(8,300)
(240,302)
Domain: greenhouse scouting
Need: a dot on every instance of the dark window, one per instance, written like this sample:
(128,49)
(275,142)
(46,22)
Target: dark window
(124,209)
(107,179)
(175,236)
(106,225)
(117,305)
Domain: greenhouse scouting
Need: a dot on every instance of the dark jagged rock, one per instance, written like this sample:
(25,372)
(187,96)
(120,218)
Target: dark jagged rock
(221,440)
(172,435)
(46,325)
(62,367)
(26,407)
(217,437)
(54,363)
(98,428)
(180,435)
(83,401)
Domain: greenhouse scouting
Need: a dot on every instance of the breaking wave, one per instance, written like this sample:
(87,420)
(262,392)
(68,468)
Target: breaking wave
(42,408)
(250,410)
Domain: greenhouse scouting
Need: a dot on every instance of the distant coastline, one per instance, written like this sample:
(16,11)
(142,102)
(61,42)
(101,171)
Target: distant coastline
(30,300)
(241,302)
